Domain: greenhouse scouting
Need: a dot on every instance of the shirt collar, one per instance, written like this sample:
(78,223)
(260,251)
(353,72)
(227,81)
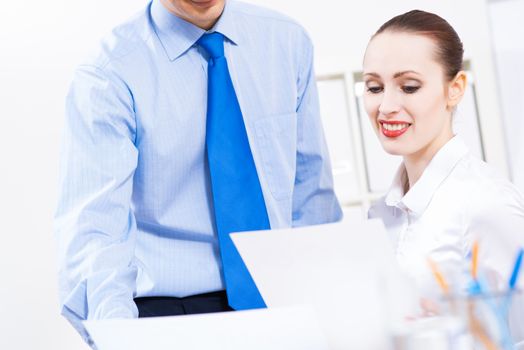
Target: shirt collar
(439,168)
(178,35)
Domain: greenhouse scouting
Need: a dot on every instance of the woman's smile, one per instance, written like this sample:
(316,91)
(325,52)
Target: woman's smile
(393,128)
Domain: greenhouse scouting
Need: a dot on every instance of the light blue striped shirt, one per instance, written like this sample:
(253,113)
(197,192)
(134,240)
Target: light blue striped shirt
(135,213)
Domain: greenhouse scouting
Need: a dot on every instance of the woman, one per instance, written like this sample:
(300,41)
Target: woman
(442,199)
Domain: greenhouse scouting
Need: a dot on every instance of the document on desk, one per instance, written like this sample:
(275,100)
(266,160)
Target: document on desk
(346,271)
(289,328)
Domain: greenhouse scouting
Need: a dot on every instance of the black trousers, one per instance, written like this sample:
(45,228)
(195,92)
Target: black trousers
(171,306)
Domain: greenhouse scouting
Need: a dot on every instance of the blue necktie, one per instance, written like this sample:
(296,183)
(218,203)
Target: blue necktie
(237,196)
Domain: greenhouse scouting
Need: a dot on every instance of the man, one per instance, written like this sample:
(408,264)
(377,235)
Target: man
(193,120)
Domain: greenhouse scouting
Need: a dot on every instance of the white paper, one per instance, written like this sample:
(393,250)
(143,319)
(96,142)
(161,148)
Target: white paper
(342,269)
(294,328)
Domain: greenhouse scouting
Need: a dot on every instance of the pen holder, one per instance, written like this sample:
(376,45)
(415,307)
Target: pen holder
(493,321)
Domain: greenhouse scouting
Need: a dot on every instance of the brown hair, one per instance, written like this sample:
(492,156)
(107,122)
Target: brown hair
(449,47)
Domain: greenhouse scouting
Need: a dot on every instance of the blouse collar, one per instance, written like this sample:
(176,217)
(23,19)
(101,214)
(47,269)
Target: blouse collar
(439,168)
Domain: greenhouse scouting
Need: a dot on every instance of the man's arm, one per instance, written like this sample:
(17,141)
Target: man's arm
(314,201)
(94,225)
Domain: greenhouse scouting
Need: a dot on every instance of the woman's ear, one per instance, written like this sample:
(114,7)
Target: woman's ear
(456,89)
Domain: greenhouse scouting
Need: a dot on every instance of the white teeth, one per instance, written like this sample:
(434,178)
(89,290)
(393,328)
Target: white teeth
(394,127)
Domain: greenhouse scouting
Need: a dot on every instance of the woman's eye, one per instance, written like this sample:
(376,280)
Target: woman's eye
(410,89)
(374,89)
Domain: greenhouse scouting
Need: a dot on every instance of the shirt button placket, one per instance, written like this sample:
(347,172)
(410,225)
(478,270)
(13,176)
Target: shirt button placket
(403,231)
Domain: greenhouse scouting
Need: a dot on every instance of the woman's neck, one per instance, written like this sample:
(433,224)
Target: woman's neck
(415,166)
(417,162)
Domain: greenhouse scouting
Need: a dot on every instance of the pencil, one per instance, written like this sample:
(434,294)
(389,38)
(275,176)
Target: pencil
(439,277)
(474,260)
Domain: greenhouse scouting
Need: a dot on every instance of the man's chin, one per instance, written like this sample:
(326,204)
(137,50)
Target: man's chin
(206,4)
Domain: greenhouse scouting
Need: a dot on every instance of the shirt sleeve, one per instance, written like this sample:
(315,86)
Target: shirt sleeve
(314,200)
(94,225)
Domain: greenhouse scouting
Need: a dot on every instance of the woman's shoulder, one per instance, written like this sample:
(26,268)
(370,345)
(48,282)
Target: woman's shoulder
(479,177)
(477,169)
(487,190)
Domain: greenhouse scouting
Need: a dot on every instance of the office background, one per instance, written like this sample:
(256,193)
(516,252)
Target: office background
(41,42)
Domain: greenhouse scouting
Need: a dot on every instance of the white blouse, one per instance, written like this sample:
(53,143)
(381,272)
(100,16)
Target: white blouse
(458,199)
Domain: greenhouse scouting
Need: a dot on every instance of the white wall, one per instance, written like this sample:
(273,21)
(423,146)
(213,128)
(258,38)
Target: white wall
(508,42)
(40,44)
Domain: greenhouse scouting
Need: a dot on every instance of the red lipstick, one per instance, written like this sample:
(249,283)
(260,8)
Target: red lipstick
(393,128)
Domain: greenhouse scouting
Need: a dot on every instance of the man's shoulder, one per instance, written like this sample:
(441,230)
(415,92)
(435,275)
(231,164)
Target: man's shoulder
(122,42)
(262,16)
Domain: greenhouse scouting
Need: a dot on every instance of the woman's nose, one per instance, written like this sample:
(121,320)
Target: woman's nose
(390,103)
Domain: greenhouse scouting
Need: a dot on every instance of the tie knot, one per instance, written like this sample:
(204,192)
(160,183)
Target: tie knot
(213,43)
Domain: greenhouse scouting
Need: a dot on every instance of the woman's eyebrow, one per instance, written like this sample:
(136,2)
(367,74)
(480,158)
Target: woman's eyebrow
(395,76)
(399,74)
(372,74)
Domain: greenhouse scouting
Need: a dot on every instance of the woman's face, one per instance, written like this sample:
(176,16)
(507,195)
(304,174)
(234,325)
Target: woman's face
(406,94)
